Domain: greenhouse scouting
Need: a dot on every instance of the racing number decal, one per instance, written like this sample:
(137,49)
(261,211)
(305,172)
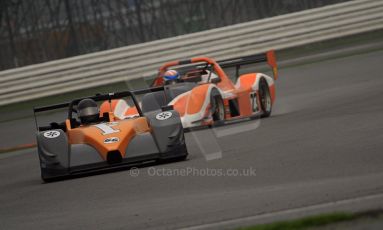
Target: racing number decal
(106,128)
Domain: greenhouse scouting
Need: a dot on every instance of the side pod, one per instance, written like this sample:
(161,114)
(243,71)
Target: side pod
(53,150)
(167,131)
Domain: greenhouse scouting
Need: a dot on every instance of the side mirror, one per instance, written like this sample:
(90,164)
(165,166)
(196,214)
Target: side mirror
(215,80)
(167,108)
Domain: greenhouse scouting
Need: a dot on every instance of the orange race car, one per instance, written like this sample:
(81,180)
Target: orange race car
(204,95)
(89,140)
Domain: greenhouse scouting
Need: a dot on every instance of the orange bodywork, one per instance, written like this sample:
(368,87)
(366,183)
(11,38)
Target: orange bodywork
(106,106)
(131,111)
(246,81)
(193,102)
(125,131)
(197,98)
(180,104)
(109,107)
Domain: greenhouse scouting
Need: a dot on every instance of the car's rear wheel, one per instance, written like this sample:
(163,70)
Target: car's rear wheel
(265,97)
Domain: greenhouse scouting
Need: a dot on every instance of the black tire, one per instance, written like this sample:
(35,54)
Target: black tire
(217,107)
(181,158)
(184,149)
(47,179)
(265,97)
(181,149)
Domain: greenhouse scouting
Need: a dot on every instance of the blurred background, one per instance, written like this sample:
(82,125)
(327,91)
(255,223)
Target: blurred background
(35,31)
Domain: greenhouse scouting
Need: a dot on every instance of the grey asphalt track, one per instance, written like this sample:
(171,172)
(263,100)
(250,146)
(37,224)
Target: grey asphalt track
(323,144)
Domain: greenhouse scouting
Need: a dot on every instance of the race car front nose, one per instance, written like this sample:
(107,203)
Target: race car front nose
(114,157)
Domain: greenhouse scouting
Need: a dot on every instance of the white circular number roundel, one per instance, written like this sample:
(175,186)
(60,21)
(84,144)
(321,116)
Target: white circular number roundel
(164,115)
(51,134)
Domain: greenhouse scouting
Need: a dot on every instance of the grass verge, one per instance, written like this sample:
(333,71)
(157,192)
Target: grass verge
(304,223)
(318,221)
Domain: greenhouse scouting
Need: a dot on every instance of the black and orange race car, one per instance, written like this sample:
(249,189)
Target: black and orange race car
(88,140)
(206,95)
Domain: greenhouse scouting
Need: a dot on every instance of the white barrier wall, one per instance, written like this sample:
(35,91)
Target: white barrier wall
(134,61)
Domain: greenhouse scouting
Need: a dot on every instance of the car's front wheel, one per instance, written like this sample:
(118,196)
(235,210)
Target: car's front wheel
(217,108)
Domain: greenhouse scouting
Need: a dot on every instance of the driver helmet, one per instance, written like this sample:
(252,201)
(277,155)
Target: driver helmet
(88,111)
(171,76)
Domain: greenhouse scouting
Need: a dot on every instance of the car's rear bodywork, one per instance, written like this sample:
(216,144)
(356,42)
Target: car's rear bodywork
(70,148)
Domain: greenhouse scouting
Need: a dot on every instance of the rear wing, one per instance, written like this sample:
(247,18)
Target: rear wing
(268,57)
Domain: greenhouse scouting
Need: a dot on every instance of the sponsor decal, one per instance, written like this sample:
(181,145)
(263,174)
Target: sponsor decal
(111,140)
(51,134)
(163,116)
